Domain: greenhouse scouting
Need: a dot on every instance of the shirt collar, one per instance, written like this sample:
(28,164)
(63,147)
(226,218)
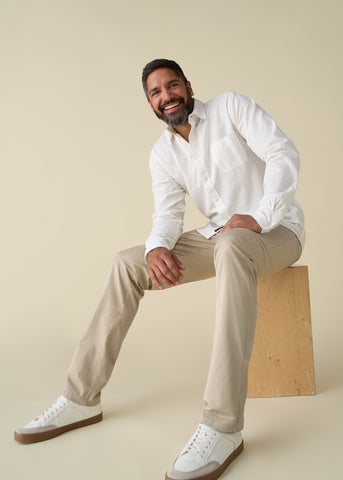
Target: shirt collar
(198,110)
(198,114)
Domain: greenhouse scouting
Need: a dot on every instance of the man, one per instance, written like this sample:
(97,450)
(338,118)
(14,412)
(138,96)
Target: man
(241,171)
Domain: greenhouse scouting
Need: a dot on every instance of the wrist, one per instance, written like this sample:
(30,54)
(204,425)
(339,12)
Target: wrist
(156,250)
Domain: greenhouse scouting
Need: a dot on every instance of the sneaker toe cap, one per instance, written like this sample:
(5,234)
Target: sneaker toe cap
(29,428)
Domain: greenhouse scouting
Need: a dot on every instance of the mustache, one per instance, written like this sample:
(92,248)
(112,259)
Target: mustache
(173,100)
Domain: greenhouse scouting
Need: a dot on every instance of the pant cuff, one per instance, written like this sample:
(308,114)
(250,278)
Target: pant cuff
(221,424)
(81,400)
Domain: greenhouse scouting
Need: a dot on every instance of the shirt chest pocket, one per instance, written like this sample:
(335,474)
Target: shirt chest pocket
(228,153)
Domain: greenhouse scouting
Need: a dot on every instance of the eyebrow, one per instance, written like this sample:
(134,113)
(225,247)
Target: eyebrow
(156,88)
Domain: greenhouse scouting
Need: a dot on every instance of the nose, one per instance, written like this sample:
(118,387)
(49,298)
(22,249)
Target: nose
(165,96)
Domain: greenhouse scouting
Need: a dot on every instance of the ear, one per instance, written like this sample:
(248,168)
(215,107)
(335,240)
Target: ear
(149,103)
(189,88)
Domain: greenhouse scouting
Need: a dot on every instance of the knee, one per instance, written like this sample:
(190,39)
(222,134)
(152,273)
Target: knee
(130,258)
(129,269)
(235,243)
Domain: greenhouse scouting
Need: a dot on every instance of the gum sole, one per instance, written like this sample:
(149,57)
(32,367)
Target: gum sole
(216,473)
(54,432)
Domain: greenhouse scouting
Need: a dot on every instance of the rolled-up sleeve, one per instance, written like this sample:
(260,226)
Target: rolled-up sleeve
(169,200)
(278,152)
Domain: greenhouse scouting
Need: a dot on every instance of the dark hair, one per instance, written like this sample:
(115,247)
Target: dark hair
(161,63)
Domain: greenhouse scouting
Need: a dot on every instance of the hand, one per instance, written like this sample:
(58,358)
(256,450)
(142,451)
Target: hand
(242,221)
(164,266)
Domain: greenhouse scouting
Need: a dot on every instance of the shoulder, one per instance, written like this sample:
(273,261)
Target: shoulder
(228,102)
(217,102)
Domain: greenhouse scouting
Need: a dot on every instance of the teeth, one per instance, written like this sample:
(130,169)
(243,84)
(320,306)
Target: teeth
(171,106)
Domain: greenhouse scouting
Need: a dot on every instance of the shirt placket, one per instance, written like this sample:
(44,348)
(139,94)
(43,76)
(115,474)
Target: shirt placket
(217,202)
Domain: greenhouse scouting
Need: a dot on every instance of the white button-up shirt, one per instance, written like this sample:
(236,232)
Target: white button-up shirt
(237,160)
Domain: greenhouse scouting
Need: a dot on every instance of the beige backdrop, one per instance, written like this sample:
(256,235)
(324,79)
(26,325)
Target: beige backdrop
(76,133)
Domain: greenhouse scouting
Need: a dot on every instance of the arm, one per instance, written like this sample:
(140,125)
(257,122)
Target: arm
(169,199)
(280,156)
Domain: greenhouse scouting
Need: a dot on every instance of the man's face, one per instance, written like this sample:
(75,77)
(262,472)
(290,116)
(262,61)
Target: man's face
(169,96)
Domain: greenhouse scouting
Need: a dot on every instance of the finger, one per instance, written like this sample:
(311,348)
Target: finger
(171,281)
(166,276)
(170,268)
(155,280)
(162,271)
(226,228)
(178,263)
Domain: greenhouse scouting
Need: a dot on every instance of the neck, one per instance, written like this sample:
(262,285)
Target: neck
(184,130)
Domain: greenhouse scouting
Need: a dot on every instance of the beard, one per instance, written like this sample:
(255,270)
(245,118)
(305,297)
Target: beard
(179,117)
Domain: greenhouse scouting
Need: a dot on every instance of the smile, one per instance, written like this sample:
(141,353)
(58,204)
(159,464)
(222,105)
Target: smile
(171,106)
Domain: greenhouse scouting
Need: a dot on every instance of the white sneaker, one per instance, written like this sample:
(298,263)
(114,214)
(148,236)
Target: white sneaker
(207,454)
(62,416)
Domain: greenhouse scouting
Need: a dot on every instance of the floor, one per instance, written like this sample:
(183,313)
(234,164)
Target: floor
(148,417)
(142,431)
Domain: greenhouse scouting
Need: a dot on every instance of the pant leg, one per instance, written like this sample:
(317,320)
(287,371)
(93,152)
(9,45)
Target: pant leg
(240,257)
(95,356)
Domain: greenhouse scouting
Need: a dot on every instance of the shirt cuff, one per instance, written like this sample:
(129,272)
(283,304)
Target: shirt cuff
(265,221)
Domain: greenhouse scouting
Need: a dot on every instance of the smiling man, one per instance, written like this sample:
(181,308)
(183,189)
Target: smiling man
(174,110)
(241,171)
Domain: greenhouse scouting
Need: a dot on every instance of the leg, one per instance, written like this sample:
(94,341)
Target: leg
(98,350)
(99,347)
(240,257)
(94,358)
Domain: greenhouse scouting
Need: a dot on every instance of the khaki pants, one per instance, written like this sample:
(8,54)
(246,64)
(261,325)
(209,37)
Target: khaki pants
(237,258)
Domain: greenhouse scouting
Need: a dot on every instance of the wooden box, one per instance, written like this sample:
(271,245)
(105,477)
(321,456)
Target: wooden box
(282,358)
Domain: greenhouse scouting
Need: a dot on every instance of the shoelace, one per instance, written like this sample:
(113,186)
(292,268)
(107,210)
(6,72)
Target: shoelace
(201,441)
(55,407)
